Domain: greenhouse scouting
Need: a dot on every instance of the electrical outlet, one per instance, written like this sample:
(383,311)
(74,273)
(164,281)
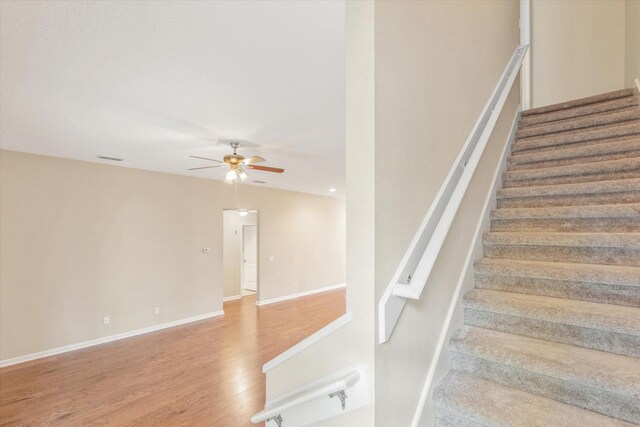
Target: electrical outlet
(106,320)
(295,284)
(157,310)
(272,258)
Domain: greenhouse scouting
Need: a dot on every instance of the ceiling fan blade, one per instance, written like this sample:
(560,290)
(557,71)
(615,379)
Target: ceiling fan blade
(266,169)
(252,160)
(205,167)
(206,158)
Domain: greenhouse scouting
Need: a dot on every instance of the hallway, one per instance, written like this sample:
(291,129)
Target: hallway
(204,373)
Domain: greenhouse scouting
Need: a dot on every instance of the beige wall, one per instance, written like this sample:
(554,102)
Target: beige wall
(232,249)
(436,65)
(578,49)
(632,42)
(80,241)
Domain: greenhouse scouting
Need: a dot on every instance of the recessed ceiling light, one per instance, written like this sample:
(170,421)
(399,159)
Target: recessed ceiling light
(333,190)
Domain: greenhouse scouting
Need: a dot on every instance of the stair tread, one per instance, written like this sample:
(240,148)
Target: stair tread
(578,135)
(592,315)
(619,145)
(525,238)
(580,122)
(580,111)
(599,369)
(580,102)
(593,187)
(623,210)
(618,165)
(490,403)
(589,273)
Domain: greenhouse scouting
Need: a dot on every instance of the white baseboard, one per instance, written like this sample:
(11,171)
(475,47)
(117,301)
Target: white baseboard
(301,294)
(103,340)
(231,298)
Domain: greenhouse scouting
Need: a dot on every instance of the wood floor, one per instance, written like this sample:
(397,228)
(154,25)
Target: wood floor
(207,373)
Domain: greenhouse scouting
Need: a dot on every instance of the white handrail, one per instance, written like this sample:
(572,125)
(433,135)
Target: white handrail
(341,384)
(411,276)
(309,341)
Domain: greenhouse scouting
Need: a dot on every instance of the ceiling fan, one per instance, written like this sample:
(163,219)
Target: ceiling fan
(237,165)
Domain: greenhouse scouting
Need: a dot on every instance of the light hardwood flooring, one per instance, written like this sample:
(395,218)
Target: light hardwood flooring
(206,373)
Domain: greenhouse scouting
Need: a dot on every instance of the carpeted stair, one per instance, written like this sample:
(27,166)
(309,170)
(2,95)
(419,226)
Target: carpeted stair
(552,330)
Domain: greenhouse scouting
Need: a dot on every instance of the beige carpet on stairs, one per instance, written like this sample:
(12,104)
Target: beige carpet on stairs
(552,329)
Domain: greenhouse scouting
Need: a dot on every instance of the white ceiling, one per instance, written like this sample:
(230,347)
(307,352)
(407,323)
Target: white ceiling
(156,81)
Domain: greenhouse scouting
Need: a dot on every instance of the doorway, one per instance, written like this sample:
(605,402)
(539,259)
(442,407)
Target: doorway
(240,253)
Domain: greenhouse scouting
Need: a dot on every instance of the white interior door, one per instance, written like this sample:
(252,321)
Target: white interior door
(250,257)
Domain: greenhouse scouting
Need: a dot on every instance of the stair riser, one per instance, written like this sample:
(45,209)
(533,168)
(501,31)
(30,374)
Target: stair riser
(576,149)
(577,113)
(595,339)
(576,290)
(563,160)
(571,179)
(580,112)
(569,139)
(587,255)
(585,396)
(629,164)
(581,225)
(615,187)
(620,116)
(570,200)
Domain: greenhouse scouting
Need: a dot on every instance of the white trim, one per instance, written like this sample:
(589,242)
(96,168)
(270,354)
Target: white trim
(525,39)
(231,298)
(308,342)
(103,340)
(471,256)
(301,294)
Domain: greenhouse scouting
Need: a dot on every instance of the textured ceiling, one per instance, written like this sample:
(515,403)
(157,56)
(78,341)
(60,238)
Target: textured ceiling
(153,82)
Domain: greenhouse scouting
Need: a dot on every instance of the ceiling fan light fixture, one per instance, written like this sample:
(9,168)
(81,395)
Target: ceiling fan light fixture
(231,176)
(237,165)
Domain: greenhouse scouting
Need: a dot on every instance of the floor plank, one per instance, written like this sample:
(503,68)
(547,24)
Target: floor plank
(206,373)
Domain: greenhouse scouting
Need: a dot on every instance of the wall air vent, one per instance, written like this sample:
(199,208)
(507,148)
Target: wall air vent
(113,159)
(259,182)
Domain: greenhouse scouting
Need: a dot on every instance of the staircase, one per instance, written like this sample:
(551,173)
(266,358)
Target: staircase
(552,329)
